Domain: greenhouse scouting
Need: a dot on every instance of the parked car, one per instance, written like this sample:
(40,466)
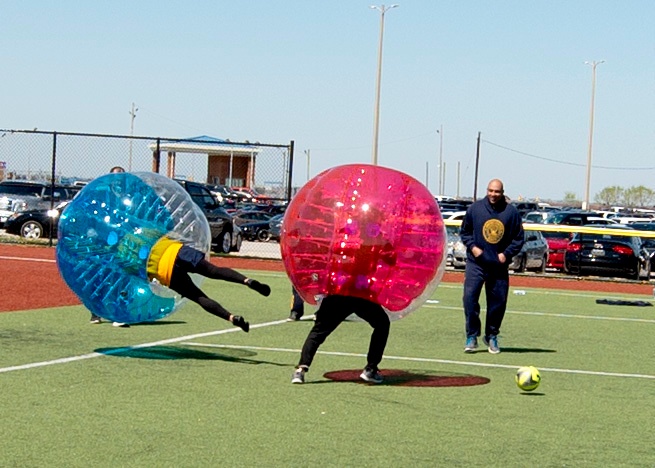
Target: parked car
(456,250)
(35,224)
(599,220)
(533,254)
(225,195)
(547,207)
(631,219)
(272,208)
(256,231)
(525,207)
(246,217)
(648,242)
(570,217)
(452,235)
(226,237)
(453,205)
(644,225)
(608,254)
(557,242)
(19,195)
(453,215)
(535,216)
(237,238)
(275,226)
(459,254)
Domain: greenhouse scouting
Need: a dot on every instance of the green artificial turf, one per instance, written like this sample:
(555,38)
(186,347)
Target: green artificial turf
(192,391)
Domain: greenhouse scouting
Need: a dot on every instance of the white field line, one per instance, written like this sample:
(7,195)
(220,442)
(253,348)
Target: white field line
(27,259)
(185,341)
(438,361)
(555,292)
(127,348)
(548,314)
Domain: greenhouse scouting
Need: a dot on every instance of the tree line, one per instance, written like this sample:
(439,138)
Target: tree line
(631,197)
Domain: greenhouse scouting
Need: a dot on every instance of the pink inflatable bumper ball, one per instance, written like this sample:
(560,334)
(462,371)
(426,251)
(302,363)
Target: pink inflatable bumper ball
(365,231)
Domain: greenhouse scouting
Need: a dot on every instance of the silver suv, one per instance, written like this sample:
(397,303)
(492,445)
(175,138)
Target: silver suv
(17,196)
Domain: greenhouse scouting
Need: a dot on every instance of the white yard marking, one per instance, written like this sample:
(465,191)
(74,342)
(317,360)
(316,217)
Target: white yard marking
(26,259)
(138,346)
(549,314)
(438,361)
(185,340)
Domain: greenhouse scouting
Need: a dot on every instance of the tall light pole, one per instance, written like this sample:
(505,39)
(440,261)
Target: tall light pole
(133,115)
(457,180)
(307,154)
(443,179)
(376,119)
(594,64)
(440,132)
(477,165)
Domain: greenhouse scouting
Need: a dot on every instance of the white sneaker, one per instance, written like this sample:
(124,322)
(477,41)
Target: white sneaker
(121,325)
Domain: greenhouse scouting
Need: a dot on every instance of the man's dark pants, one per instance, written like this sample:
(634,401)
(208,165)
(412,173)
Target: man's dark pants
(495,279)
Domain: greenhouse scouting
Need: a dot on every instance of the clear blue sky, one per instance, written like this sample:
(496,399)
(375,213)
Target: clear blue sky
(275,71)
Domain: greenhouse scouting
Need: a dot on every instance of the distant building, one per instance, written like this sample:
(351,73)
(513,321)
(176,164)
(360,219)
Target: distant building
(231,164)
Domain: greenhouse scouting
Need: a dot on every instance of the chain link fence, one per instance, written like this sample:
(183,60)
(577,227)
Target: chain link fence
(73,159)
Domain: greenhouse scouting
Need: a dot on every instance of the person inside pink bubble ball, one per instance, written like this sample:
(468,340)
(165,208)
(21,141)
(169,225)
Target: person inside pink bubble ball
(364,240)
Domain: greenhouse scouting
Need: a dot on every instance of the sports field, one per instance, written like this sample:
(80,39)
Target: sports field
(191,391)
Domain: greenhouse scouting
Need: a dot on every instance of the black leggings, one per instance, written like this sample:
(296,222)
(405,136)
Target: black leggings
(182,283)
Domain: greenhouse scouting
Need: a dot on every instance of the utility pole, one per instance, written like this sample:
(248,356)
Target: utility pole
(307,154)
(594,64)
(458,164)
(427,174)
(133,116)
(443,179)
(477,163)
(376,117)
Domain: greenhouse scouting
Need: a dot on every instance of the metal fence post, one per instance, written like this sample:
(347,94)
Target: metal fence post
(156,157)
(290,169)
(52,181)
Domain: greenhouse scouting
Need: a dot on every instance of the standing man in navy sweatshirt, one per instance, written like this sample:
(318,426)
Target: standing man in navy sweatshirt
(492,231)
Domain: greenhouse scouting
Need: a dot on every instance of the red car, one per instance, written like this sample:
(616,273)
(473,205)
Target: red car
(557,242)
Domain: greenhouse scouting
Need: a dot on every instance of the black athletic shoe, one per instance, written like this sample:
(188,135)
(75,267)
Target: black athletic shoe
(261,288)
(240,322)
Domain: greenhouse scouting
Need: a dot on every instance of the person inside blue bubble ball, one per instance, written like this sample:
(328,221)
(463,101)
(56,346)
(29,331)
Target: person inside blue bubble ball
(129,240)
(170,262)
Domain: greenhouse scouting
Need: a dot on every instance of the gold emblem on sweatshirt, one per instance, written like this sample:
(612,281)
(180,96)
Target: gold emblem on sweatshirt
(493,231)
